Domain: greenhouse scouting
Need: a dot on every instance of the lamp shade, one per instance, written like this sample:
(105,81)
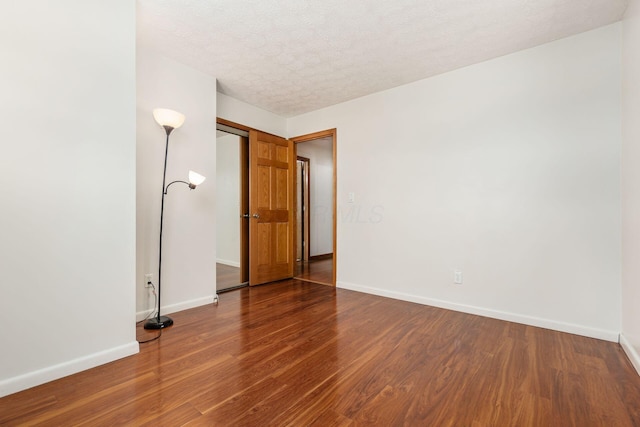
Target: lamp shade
(195,178)
(169,118)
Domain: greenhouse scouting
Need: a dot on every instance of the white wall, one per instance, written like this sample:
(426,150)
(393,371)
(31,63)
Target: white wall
(630,337)
(228,200)
(320,155)
(189,240)
(507,170)
(245,114)
(67,185)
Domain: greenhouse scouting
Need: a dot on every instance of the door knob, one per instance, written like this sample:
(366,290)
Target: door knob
(256,216)
(244,215)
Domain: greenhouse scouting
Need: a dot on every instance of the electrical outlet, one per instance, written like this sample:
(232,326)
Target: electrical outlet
(147,280)
(457,277)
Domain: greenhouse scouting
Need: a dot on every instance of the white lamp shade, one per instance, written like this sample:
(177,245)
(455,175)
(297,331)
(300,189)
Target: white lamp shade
(166,117)
(195,178)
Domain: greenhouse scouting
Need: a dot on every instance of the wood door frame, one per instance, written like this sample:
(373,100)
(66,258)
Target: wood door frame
(306,231)
(318,135)
(233,124)
(244,209)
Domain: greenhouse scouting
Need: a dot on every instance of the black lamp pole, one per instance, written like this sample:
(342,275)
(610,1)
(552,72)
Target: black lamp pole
(159,321)
(169,120)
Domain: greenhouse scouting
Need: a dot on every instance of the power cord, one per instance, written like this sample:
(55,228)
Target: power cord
(152,339)
(151,313)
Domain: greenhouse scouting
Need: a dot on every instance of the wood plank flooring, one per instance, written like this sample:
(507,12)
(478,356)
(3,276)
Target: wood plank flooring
(300,354)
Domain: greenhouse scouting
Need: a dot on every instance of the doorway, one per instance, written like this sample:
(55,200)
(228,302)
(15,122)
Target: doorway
(316,210)
(266,211)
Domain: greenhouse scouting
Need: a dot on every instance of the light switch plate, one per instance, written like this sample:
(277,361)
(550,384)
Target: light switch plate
(457,277)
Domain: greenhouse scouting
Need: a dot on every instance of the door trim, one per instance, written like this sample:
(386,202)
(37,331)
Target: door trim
(244,209)
(324,134)
(306,220)
(233,124)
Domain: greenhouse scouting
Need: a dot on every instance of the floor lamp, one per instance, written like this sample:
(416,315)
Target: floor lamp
(169,120)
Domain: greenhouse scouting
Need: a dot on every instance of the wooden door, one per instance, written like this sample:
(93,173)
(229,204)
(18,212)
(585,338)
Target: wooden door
(271,226)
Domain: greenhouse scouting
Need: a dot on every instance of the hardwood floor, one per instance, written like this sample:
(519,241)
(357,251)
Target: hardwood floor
(301,354)
(320,271)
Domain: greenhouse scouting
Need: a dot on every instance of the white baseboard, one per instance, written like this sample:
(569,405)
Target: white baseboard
(228,262)
(494,314)
(184,305)
(32,379)
(631,352)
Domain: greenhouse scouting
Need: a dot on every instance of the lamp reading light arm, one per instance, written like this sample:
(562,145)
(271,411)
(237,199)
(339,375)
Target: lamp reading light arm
(195,179)
(191,185)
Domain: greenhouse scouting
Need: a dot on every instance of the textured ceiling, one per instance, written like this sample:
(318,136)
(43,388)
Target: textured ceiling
(294,56)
